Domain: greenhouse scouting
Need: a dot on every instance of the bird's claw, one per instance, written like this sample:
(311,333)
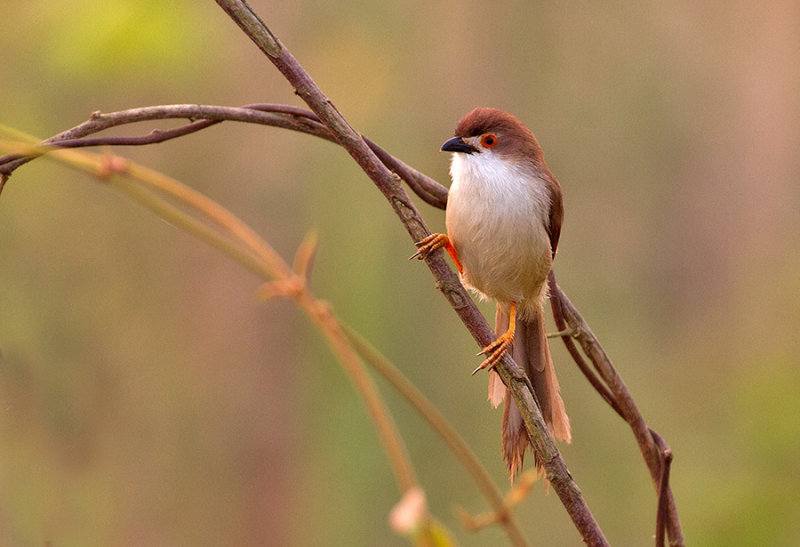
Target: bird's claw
(428,245)
(495,351)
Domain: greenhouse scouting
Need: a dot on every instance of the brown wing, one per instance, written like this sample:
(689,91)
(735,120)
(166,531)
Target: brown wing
(556,212)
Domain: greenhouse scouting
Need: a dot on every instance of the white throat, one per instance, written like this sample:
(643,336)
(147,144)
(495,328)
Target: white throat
(500,183)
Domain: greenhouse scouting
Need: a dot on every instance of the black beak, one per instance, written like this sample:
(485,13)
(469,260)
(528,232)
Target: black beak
(457,144)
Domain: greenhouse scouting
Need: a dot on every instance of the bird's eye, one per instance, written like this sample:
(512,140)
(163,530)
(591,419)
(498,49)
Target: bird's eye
(488,140)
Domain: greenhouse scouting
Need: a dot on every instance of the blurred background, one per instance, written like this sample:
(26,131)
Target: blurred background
(147,397)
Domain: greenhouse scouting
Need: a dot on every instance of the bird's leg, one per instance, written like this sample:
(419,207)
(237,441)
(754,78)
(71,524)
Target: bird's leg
(437,241)
(499,347)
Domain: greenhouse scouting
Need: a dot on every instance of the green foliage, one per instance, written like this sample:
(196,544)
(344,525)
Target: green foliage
(91,40)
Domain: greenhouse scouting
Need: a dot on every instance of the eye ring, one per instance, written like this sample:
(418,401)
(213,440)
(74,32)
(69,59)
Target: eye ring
(489,140)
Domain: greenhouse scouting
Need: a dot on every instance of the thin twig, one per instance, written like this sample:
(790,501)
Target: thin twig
(204,116)
(561,324)
(663,488)
(653,448)
(518,492)
(280,116)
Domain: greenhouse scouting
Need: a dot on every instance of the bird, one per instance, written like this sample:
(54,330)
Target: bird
(503,217)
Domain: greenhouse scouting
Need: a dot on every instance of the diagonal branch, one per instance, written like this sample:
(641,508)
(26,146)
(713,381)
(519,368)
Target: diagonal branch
(389,184)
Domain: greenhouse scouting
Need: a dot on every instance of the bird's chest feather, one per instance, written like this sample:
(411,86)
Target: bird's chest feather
(497,215)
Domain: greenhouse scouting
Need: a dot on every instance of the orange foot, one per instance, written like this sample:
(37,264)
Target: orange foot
(433,242)
(499,347)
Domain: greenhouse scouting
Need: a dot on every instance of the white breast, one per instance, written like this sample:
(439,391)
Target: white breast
(497,213)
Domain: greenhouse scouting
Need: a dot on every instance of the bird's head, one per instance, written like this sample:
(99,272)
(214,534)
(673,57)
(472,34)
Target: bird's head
(492,132)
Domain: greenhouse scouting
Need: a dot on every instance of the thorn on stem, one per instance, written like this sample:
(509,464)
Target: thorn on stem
(304,256)
(569,331)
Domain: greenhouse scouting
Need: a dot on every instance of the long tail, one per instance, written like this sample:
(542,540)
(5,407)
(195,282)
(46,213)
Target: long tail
(532,353)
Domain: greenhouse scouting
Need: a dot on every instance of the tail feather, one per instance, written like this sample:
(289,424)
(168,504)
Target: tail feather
(532,353)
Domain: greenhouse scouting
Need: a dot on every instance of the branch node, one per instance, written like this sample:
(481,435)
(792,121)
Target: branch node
(518,493)
(457,298)
(290,287)
(110,164)
(323,310)
(96,115)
